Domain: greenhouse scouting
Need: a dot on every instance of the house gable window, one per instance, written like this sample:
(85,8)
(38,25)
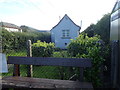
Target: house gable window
(65,34)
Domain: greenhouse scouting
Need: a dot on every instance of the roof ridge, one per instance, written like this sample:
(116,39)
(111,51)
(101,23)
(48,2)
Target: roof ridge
(63,18)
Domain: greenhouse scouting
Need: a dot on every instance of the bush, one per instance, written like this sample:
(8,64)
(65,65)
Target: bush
(61,54)
(93,47)
(58,49)
(64,72)
(17,40)
(7,40)
(80,45)
(42,49)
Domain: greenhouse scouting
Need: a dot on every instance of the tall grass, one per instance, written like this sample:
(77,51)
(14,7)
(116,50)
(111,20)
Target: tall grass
(17,53)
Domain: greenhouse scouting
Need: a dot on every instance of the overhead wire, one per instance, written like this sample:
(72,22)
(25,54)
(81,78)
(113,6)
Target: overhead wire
(30,3)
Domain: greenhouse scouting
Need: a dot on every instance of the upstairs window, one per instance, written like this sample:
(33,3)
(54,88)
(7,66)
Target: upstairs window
(65,33)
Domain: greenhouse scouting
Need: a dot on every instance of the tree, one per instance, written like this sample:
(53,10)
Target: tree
(90,30)
(102,28)
(24,28)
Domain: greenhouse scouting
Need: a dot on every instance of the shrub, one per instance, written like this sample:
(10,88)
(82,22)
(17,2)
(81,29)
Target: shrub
(93,47)
(64,72)
(17,41)
(58,49)
(80,45)
(42,49)
(7,40)
(61,54)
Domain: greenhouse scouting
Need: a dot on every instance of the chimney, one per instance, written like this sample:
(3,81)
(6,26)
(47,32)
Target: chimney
(59,17)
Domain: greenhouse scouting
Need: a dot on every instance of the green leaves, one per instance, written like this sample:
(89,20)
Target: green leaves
(102,28)
(17,40)
(80,45)
(89,47)
(42,49)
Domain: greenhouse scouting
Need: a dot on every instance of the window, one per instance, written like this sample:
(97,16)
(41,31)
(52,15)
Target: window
(116,7)
(65,33)
(116,12)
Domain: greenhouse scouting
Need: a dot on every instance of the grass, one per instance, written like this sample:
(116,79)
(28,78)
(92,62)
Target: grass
(17,53)
(46,72)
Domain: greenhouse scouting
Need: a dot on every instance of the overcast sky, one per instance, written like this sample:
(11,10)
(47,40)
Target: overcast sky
(45,14)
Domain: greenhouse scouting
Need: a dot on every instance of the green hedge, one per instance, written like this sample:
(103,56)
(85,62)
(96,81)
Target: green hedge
(42,49)
(17,40)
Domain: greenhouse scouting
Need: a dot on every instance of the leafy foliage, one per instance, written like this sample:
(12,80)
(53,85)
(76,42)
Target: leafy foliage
(80,45)
(102,28)
(7,41)
(89,30)
(89,47)
(17,40)
(42,49)
(64,72)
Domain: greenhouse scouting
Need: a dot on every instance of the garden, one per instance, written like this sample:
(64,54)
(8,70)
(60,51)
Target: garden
(92,43)
(83,47)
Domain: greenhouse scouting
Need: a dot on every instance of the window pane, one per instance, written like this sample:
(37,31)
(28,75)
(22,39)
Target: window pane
(65,33)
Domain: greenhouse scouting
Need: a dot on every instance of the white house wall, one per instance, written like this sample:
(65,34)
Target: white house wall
(13,29)
(56,33)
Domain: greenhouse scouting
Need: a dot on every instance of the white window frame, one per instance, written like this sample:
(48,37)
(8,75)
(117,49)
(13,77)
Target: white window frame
(66,33)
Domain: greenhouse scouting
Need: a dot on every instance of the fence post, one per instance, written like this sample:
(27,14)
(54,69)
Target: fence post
(29,54)
(16,71)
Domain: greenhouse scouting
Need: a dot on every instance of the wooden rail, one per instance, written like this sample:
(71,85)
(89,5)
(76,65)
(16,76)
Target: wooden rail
(74,62)
(28,82)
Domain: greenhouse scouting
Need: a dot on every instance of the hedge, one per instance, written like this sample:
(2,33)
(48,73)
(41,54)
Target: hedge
(17,40)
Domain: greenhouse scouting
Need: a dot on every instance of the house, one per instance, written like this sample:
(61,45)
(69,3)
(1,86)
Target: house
(64,31)
(10,27)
